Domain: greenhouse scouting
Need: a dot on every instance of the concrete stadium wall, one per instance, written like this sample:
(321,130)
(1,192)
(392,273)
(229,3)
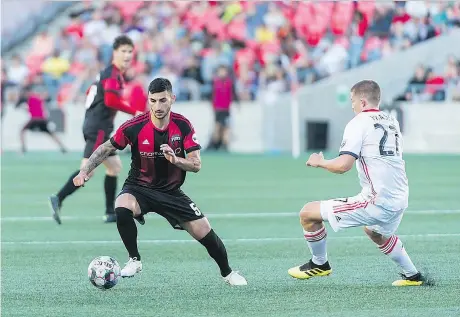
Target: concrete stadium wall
(246,123)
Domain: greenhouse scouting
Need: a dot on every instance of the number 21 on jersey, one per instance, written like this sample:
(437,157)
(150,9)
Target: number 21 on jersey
(384,139)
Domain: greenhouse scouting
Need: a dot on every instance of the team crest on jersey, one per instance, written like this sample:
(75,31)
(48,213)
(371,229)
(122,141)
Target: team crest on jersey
(194,138)
(175,140)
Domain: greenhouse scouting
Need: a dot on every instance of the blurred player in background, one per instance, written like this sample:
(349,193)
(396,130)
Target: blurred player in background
(159,142)
(35,96)
(373,138)
(223,94)
(102,103)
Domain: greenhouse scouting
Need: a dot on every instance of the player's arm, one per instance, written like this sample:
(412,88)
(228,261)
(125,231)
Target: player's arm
(338,165)
(192,163)
(113,98)
(98,156)
(350,150)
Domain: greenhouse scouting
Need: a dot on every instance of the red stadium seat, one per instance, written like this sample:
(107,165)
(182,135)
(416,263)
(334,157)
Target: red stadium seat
(237,30)
(128,8)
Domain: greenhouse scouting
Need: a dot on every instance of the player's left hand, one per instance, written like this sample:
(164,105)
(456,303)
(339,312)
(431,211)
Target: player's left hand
(315,159)
(169,153)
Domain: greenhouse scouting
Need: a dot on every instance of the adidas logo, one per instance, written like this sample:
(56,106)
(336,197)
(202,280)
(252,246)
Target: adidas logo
(146,142)
(338,218)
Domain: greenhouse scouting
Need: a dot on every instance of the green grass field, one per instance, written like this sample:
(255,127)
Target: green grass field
(252,203)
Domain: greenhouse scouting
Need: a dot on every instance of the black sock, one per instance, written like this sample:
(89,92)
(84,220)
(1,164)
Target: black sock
(69,188)
(217,251)
(128,231)
(110,187)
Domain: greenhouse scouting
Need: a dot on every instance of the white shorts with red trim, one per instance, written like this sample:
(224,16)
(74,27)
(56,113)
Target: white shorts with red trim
(357,211)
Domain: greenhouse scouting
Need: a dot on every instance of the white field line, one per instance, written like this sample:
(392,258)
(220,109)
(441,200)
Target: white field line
(245,240)
(223,215)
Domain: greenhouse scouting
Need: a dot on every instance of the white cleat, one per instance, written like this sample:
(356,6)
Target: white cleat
(131,268)
(235,279)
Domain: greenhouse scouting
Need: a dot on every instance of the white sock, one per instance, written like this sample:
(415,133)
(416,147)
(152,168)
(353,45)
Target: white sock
(395,250)
(317,244)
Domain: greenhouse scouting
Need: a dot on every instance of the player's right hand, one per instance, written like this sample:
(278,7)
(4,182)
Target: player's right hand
(315,159)
(80,179)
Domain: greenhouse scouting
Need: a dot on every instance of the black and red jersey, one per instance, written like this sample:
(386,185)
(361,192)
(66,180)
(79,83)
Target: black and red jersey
(104,99)
(149,167)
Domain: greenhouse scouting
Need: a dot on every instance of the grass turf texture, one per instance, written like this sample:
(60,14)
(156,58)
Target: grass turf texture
(44,265)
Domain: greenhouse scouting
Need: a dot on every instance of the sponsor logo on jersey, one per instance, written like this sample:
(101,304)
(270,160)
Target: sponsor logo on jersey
(343,143)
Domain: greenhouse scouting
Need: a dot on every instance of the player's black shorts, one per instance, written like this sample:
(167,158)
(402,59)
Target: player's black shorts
(38,125)
(93,140)
(222,117)
(175,205)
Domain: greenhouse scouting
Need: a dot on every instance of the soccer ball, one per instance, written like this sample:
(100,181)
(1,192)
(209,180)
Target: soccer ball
(104,272)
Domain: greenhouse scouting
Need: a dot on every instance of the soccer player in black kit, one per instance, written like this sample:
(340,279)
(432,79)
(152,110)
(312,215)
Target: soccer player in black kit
(163,148)
(102,103)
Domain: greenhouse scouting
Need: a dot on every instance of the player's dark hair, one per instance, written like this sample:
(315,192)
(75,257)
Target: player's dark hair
(160,85)
(369,89)
(122,40)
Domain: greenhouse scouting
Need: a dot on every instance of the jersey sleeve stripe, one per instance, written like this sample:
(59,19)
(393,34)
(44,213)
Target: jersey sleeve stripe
(115,144)
(181,118)
(133,121)
(193,148)
(349,153)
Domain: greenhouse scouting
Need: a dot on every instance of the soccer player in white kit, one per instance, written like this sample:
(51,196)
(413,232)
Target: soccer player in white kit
(373,140)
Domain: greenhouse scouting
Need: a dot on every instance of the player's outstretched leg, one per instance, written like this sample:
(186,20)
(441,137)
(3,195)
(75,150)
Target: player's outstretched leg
(201,230)
(126,208)
(315,235)
(56,200)
(394,248)
(113,168)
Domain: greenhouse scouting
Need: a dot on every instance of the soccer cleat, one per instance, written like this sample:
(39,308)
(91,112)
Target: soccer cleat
(414,280)
(110,217)
(131,268)
(55,205)
(309,270)
(140,219)
(235,279)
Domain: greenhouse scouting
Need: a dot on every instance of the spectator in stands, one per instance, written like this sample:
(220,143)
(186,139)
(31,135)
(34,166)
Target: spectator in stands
(87,54)
(192,79)
(358,30)
(94,28)
(416,85)
(43,45)
(399,41)
(451,69)
(435,86)
(17,71)
(54,68)
(274,18)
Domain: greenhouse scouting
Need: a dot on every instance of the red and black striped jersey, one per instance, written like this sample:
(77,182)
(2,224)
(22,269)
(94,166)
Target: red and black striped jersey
(149,167)
(104,99)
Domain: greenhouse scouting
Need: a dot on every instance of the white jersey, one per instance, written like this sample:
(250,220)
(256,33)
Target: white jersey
(374,139)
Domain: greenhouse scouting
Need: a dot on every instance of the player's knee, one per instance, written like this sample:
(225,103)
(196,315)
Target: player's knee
(124,213)
(307,213)
(374,236)
(129,202)
(113,171)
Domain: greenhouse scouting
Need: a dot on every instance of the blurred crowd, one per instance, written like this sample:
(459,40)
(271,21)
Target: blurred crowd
(265,45)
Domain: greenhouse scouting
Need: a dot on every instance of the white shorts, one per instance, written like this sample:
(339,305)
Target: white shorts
(357,211)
